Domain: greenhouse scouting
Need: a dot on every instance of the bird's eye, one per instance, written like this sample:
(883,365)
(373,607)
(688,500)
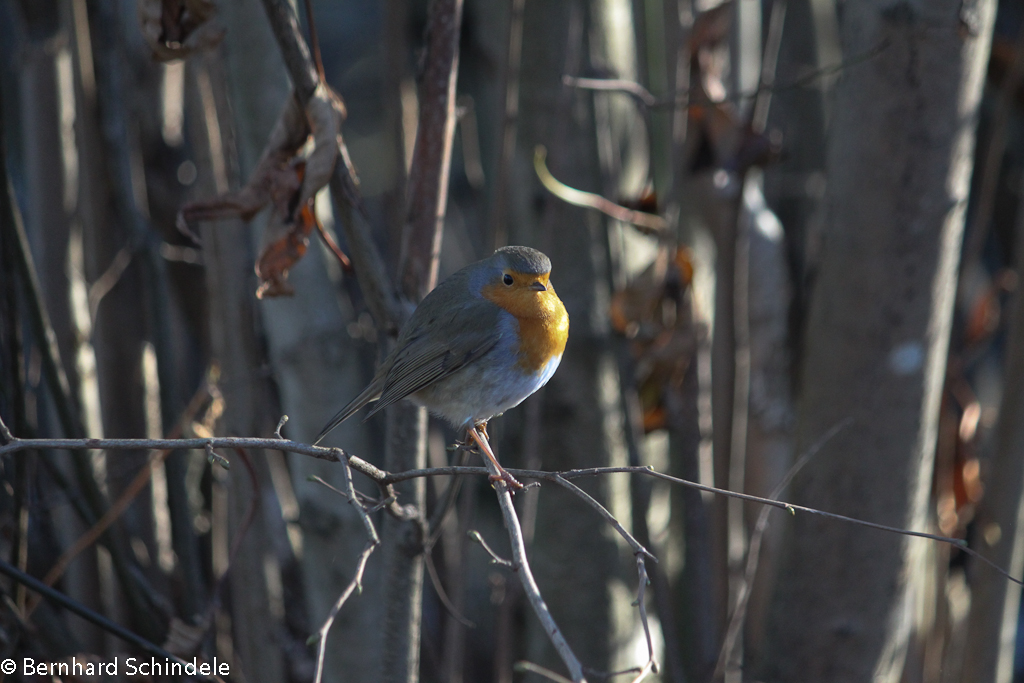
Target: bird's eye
(507,279)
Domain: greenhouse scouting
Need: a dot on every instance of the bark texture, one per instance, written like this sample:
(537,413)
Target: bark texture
(899,161)
(995,602)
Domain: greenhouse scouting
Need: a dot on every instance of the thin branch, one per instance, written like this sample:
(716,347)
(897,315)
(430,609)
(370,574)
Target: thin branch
(356,583)
(647,223)
(385,479)
(609,517)
(645,98)
(530,667)
(651,666)
(106,624)
(495,558)
(754,551)
(522,567)
(442,595)
(430,169)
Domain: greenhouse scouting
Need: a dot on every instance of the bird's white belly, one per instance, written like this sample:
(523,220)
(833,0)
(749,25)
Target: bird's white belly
(480,391)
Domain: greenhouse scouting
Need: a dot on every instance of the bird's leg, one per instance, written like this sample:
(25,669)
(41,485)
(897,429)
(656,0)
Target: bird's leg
(485,448)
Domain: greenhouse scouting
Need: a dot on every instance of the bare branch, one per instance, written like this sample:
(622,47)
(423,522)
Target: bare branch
(647,223)
(530,667)
(432,155)
(754,551)
(645,98)
(651,666)
(495,558)
(356,583)
(609,517)
(522,566)
(385,479)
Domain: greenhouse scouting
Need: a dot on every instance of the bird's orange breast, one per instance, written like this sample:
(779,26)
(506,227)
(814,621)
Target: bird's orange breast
(543,323)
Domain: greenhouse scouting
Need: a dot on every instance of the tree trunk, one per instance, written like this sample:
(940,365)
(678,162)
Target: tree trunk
(995,602)
(877,334)
(578,565)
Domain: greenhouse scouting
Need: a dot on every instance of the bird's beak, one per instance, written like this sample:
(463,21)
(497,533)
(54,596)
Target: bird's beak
(538,287)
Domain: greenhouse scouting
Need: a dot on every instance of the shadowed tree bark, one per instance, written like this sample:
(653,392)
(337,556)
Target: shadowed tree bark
(995,602)
(875,351)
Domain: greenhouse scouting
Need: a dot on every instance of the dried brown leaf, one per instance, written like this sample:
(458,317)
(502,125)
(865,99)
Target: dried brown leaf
(286,243)
(274,180)
(325,113)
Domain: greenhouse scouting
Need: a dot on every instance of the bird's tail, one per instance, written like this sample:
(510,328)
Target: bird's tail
(370,393)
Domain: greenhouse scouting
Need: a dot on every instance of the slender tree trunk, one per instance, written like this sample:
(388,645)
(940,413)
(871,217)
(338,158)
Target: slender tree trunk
(995,602)
(877,335)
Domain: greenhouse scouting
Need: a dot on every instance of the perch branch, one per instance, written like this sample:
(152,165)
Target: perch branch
(522,567)
(384,479)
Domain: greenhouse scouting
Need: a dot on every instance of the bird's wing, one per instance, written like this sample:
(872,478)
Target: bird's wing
(472,331)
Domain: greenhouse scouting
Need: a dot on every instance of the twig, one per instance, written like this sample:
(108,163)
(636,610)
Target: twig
(614,85)
(429,172)
(651,666)
(647,99)
(385,479)
(495,558)
(530,667)
(95,618)
(522,567)
(609,517)
(647,223)
(332,246)
(280,425)
(441,594)
(356,582)
(754,551)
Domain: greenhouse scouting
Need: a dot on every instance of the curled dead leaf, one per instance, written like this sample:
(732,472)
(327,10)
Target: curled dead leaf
(325,113)
(287,181)
(275,179)
(175,29)
(285,243)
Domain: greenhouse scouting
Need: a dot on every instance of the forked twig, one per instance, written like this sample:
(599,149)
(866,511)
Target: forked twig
(357,580)
(522,567)
(754,550)
(385,479)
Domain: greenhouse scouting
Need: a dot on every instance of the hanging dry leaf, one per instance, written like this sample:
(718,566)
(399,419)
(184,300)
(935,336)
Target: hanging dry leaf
(285,242)
(175,29)
(655,314)
(325,113)
(287,182)
(275,179)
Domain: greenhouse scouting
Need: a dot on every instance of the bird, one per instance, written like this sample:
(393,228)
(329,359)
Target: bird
(481,342)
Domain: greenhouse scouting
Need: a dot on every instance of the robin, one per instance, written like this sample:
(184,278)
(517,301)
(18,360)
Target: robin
(482,341)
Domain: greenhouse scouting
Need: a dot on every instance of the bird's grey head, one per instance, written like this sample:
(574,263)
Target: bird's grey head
(524,260)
